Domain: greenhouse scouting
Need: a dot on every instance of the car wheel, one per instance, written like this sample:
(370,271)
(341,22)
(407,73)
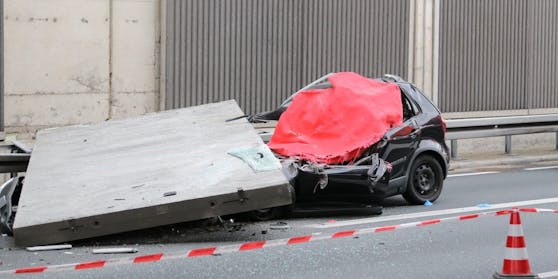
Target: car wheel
(267,214)
(425,181)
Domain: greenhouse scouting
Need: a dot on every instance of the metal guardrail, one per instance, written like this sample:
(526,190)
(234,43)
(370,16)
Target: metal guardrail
(499,126)
(469,128)
(14,157)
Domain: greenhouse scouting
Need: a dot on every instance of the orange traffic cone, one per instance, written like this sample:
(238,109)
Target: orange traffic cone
(516,262)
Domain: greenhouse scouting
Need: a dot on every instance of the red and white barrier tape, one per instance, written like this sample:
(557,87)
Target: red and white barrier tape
(537,210)
(255,245)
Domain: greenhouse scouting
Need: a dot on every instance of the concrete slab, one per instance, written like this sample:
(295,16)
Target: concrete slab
(157,169)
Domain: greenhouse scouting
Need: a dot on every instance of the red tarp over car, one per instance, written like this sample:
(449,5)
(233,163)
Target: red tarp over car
(337,124)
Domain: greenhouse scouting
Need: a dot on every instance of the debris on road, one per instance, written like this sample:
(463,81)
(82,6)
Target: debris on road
(229,225)
(279,226)
(115,251)
(49,247)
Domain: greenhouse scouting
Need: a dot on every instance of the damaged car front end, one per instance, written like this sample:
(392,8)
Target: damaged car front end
(360,181)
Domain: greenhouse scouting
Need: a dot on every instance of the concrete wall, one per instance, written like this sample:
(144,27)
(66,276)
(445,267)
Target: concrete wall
(423,46)
(135,57)
(59,56)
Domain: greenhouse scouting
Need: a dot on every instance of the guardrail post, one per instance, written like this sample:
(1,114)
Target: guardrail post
(453,147)
(556,140)
(508,144)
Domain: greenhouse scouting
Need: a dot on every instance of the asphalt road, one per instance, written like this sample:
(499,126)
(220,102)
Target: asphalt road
(462,249)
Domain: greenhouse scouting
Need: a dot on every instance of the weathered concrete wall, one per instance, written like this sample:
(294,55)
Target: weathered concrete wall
(135,57)
(59,55)
(423,46)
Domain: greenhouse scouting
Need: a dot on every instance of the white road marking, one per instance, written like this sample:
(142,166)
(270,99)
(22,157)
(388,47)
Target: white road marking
(472,173)
(433,213)
(548,274)
(542,168)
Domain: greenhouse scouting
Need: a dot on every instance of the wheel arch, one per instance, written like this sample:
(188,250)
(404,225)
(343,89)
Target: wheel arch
(434,155)
(427,148)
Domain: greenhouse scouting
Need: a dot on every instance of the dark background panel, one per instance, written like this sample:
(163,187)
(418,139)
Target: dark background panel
(498,55)
(259,52)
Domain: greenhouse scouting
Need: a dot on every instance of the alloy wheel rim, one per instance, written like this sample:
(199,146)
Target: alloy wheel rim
(424,180)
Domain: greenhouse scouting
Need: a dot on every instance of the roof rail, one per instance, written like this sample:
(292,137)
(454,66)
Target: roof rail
(392,78)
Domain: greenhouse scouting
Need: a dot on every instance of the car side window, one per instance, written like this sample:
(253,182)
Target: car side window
(408,109)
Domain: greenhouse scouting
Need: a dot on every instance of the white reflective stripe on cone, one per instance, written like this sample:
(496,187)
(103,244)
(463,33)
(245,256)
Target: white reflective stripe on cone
(516,254)
(515,230)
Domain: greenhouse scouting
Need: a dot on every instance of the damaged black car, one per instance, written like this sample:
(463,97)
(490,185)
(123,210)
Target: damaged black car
(410,158)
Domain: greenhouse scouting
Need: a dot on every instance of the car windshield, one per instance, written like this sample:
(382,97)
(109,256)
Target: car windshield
(321,83)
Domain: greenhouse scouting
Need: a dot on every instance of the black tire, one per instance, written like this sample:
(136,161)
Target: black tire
(267,214)
(7,227)
(425,181)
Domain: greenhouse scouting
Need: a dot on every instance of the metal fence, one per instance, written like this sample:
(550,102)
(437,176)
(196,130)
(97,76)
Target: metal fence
(498,55)
(260,51)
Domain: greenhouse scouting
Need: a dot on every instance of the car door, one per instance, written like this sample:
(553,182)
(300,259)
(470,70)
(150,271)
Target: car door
(402,141)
